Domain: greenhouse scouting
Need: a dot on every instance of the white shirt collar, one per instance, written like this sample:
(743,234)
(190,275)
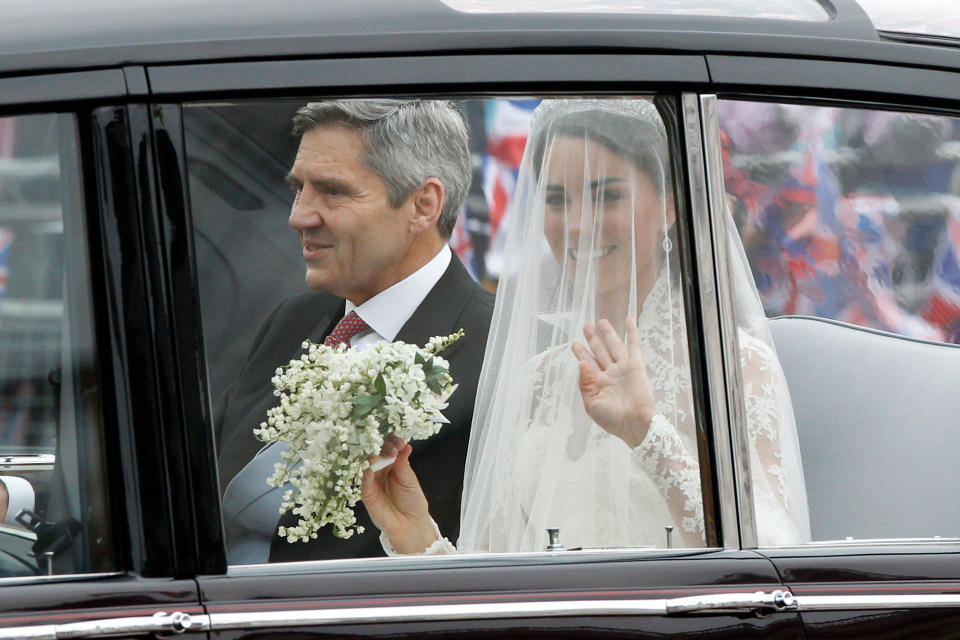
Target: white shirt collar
(386,312)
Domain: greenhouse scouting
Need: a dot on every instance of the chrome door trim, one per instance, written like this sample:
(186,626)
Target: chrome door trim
(895,601)
(760,601)
(438,612)
(736,404)
(159,623)
(710,306)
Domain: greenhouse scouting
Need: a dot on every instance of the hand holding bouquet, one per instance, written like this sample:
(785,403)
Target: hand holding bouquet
(336,407)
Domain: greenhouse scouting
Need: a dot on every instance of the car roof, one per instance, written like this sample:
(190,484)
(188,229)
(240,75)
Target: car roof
(56,35)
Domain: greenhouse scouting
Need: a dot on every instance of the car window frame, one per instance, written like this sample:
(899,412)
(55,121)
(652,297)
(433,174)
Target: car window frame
(681,151)
(142,573)
(803,96)
(473,75)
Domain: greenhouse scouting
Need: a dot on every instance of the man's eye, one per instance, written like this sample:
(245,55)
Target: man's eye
(329,190)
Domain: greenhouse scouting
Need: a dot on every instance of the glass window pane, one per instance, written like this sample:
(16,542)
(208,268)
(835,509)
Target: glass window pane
(923,17)
(556,260)
(51,451)
(850,220)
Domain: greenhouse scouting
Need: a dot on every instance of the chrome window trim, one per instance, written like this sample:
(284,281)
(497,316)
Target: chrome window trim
(694,137)
(880,543)
(462,560)
(61,578)
(730,343)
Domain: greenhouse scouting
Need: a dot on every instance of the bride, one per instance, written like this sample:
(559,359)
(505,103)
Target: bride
(585,414)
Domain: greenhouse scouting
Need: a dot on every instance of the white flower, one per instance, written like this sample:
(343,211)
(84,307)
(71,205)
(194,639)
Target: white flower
(336,406)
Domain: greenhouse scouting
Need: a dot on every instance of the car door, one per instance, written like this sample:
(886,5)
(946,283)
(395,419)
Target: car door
(848,214)
(88,545)
(230,151)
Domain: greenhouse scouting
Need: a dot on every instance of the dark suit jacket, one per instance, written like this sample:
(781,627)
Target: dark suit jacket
(455,302)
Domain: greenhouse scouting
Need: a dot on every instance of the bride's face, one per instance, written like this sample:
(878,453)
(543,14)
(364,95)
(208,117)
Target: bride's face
(600,207)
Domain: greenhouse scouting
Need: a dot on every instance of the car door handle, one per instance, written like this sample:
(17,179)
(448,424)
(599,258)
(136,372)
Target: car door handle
(757,601)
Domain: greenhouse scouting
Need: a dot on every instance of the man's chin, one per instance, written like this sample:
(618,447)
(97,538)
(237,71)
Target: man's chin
(318,281)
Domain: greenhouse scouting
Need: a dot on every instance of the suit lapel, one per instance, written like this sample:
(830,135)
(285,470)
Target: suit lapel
(327,321)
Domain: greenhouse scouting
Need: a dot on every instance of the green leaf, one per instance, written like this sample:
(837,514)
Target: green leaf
(435,380)
(364,404)
(380,385)
(418,358)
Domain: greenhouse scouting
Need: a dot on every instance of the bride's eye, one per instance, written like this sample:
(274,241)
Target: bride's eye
(610,196)
(557,198)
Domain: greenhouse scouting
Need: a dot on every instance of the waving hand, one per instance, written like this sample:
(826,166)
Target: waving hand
(613,381)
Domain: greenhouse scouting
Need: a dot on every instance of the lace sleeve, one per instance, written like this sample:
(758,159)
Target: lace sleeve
(440,547)
(776,473)
(663,456)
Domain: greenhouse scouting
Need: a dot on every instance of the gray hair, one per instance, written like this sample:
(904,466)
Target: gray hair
(406,142)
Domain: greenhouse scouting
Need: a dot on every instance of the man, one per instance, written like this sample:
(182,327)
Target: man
(378,186)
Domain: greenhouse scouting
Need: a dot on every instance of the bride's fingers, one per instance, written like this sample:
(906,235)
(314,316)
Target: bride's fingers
(615,346)
(391,445)
(402,470)
(369,489)
(587,378)
(600,353)
(583,354)
(633,339)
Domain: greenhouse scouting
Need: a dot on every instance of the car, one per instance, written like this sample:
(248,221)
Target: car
(144,239)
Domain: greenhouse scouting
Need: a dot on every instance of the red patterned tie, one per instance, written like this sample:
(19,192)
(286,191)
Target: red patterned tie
(349,326)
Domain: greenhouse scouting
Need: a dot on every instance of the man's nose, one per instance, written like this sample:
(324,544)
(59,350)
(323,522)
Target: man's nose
(303,214)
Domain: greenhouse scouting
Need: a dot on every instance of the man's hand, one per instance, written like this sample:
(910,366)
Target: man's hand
(395,501)
(613,381)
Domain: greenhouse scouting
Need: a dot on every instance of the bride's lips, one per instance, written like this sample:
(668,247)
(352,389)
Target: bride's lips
(594,255)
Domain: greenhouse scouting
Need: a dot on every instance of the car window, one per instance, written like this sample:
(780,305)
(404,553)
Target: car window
(51,449)
(258,307)
(850,222)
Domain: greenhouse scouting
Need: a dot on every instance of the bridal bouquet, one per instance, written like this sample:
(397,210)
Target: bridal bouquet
(336,406)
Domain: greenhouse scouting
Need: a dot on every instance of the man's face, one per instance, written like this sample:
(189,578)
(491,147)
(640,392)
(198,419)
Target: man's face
(354,242)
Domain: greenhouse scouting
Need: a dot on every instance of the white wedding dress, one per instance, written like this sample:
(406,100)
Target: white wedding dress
(592,221)
(607,495)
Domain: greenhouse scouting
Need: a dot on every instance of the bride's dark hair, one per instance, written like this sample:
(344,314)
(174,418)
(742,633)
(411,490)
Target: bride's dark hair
(639,139)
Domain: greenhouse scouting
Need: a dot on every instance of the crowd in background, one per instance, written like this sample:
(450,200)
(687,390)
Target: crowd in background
(846,214)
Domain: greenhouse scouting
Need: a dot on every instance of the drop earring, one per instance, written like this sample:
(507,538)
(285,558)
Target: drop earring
(667,243)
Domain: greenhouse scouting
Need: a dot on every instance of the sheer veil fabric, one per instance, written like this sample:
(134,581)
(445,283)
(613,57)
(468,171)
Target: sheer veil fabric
(591,236)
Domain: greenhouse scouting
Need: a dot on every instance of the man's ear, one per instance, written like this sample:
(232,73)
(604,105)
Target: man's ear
(427,205)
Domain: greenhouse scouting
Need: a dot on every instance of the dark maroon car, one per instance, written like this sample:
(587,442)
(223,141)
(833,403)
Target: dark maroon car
(144,239)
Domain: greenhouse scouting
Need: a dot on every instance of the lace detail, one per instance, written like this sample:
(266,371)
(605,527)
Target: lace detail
(664,485)
(439,547)
(759,366)
(675,472)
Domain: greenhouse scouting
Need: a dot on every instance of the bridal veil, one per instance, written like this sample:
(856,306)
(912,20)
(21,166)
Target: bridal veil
(591,235)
